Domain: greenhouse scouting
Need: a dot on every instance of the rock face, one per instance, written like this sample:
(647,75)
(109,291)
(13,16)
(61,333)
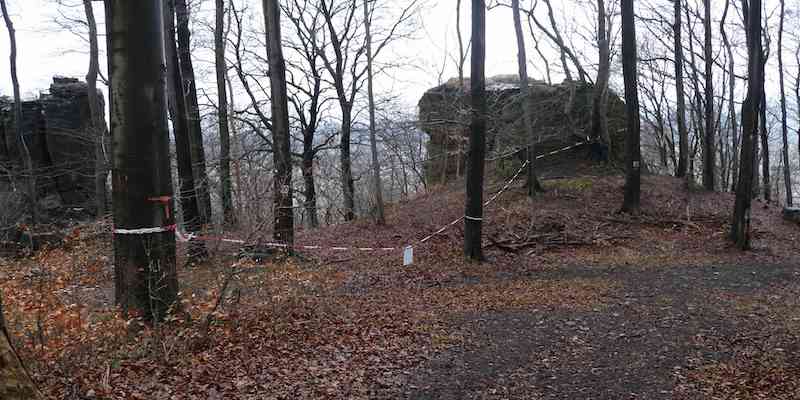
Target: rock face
(561,114)
(791,214)
(62,148)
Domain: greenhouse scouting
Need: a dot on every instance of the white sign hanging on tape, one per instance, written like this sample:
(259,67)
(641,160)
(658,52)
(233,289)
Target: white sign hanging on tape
(408,255)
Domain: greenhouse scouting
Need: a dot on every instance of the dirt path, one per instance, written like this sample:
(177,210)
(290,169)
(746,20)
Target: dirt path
(661,327)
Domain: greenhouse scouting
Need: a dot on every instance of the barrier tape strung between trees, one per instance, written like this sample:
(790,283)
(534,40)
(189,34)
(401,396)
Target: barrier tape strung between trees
(408,250)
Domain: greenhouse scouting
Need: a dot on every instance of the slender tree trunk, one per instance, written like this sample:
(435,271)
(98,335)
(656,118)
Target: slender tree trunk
(527,106)
(180,127)
(599,113)
(740,229)
(473,217)
(762,127)
(683,132)
(787,176)
(797,95)
(731,103)
(709,155)
(633,155)
(380,217)
(146,282)
(96,122)
(310,187)
(193,111)
(282,156)
(225,183)
(30,178)
(348,185)
(462,58)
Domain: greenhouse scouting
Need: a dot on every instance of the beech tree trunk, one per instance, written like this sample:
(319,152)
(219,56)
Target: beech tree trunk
(29,177)
(180,127)
(473,216)
(146,282)
(380,215)
(193,113)
(787,176)
(680,94)
(740,229)
(282,156)
(633,154)
(220,66)
(709,155)
(527,106)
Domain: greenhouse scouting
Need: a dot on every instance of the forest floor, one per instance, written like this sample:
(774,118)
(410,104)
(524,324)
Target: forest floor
(574,301)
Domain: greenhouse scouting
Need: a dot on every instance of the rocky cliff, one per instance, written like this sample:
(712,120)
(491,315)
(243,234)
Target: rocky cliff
(561,114)
(62,147)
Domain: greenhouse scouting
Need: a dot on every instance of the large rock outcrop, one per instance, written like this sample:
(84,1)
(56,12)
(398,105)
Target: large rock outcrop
(561,114)
(56,128)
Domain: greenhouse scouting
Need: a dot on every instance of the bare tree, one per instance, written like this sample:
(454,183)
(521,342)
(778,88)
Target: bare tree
(146,281)
(96,124)
(787,177)
(740,229)
(473,216)
(731,95)
(599,114)
(180,128)
(633,155)
(380,217)
(221,68)
(21,144)
(680,94)
(527,106)
(709,159)
(555,37)
(193,110)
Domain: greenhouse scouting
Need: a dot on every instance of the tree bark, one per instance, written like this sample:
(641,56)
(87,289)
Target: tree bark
(683,132)
(380,216)
(220,66)
(180,127)
(146,282)
(633,155)
(193,113)
(473,217)
(709,155)
(30,178)
(740,229)
(282,156)
(731,103)
(96,123)
(764,133)
(462,57)
(599,115)
(527,106)
(787,176)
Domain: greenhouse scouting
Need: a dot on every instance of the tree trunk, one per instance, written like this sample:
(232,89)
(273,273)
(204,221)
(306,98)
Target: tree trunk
(348,185)
(787,177)
(225,183)
(709,155)
(740,229)
(527,106)
(180,128)
(599,114)
(282,156)
(193,113)
(683,132)
(96,123)
(462,57)
(762,127)
(380,217)
(146,282)
(633,155)
(473,217)
(30,178)
(310,187)
(731,103)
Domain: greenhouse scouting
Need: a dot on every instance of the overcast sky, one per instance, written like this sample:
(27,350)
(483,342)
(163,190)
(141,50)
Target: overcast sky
(44,50)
